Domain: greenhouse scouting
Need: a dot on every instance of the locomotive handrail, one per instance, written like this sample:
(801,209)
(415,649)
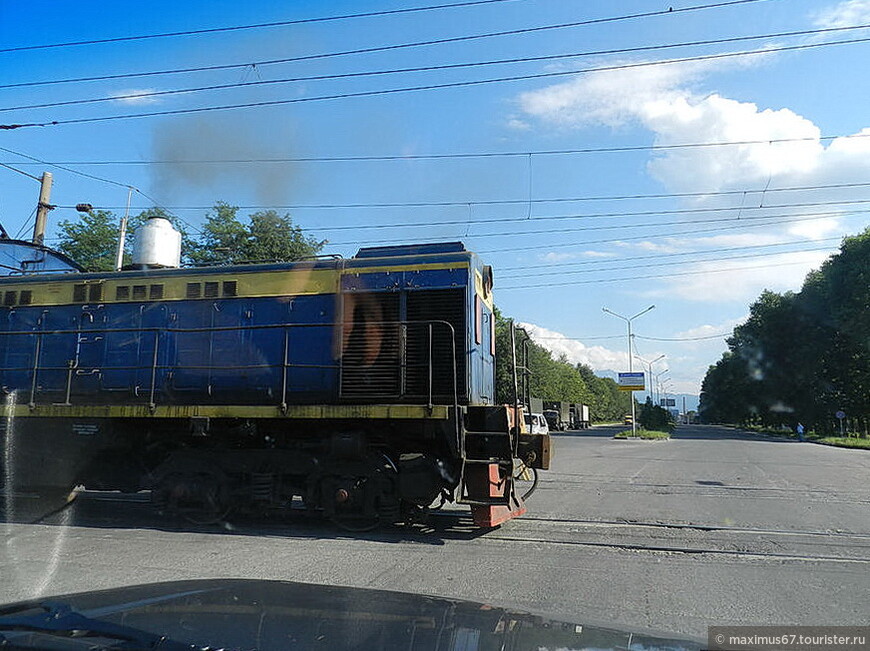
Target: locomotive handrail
(73,368)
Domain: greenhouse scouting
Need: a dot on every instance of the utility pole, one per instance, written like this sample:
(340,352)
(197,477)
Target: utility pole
(628,320)
(42,209)
(119,257)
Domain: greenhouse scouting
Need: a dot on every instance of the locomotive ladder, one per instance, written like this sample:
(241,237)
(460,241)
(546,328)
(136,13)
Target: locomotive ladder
(487,482)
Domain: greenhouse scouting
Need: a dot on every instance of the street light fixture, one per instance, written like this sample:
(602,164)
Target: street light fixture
(628,320)
(658,383)
(649,366)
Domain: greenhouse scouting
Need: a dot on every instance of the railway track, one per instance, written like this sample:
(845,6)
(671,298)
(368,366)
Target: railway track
(95,508)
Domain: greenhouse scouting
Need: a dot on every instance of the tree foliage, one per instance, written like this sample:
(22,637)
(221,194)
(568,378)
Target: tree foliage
(801,356)
(653,417)
(267,236)
(92,240)
(555,379)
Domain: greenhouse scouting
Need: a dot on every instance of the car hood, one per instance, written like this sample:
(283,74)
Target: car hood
(251,614)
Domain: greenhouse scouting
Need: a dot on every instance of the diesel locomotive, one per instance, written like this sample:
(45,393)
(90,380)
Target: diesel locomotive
(362,389)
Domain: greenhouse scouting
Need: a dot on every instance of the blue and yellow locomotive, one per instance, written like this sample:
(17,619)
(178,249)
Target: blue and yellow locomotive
(361,388)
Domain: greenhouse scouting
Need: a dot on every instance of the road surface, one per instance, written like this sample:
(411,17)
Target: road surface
(712,527)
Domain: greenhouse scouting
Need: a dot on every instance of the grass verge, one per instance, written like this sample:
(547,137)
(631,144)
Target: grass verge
(843,442)
(811,437)
(647,435)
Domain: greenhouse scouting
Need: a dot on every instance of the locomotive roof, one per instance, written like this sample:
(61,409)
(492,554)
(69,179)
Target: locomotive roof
(367,257)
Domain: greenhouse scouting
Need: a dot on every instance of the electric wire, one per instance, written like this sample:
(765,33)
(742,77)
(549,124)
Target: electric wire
(524,154)
(103,180)
(15,169)
(237,28)
(431,68)
(419,88)
(652,265)
(619,262)
(523,219)
(668,275)
(471,237)
(234,28)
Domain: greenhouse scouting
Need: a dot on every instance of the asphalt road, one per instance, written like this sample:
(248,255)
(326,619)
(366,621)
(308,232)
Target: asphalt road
(713,527)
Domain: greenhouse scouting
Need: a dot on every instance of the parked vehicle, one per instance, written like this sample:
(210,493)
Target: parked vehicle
(537,424)
(580,417)
(563,409)
(552,417)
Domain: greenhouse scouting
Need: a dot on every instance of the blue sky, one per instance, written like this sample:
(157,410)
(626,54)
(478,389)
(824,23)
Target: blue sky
(559,262)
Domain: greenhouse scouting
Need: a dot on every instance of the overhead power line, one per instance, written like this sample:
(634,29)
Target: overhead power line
(303,21)
(499,154)
(15,169)
(523,219)
(743,224)
(646,277)
(93,177)
(425,87)
(650,265)
(473,237)
(239,28)
(431,68)
(719,335)
(621,261)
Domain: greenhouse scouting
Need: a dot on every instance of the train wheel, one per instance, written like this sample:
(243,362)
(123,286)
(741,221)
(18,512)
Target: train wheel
(200,498)
(365,500)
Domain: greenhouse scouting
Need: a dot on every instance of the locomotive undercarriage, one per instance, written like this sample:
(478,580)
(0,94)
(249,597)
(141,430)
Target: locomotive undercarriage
(357,474)
(348,480)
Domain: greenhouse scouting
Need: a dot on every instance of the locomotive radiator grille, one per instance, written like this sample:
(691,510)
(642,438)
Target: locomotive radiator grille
(411,360)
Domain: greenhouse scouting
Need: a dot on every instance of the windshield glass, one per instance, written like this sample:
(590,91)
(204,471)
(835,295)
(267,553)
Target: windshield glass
(557,306)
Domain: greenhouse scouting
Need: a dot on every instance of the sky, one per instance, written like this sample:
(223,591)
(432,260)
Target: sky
(566,169)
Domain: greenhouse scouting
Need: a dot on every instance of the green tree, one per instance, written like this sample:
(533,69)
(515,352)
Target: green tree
(804,356)
(554,379)
(653,417)
(226,239)
(92,240)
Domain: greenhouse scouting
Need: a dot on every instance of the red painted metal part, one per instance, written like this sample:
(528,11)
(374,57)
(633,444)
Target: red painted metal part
(484,482)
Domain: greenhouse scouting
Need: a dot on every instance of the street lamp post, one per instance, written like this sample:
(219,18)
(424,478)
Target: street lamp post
(658,384)
(628,320)
(649,366)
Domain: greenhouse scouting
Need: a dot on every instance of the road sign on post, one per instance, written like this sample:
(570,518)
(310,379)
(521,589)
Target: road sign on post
(631,382)
(668,402)
(840,416)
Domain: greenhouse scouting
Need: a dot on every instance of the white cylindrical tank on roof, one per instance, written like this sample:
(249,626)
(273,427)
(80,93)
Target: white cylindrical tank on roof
(157,244)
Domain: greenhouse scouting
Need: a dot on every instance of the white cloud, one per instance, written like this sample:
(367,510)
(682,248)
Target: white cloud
(816,229)
(665,100)
(721,281)
(598,358)
(136,96)
(553,256)
(708,330)
(845,14)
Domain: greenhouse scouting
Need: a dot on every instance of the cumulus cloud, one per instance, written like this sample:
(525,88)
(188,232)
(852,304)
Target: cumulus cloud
(553,256)
(845,14)
(711,330)
(598,358)
(782,147)
(136,97)
(725,280)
